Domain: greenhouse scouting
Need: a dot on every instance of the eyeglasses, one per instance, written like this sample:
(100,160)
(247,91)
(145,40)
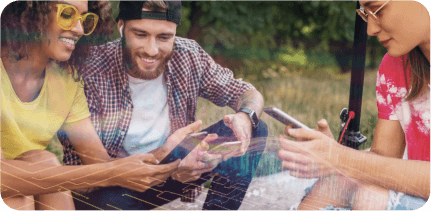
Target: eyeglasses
(68,16)
(364,13)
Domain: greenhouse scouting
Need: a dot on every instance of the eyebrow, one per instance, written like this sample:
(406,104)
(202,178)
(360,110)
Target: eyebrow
(368,3)
(63,2)
(143,31)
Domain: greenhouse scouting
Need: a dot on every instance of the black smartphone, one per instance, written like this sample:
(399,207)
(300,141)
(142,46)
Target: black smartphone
(184,147)
(284,118)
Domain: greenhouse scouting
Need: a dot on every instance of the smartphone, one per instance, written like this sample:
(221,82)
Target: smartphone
(284,118)
(225,147)
(184,147)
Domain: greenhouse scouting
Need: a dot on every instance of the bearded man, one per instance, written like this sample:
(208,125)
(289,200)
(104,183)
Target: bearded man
(143,87)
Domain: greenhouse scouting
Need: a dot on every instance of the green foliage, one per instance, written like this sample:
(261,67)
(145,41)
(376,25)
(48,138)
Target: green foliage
(294,56)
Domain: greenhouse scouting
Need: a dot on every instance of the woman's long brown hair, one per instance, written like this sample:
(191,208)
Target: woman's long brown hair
(419,71)
(24,23)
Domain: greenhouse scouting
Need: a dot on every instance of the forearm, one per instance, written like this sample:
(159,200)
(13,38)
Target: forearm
(86,142)
(251,99)
(94,156)
(407,176)
(19,177)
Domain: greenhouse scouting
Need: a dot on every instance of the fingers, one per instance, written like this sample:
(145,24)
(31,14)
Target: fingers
(179,135)
(227,119)
(295,157)
(300,170)
(203,146)
(230,155)
(287,128)
(169,168)
(323,127)
(293,146)
(245,143)
(322,124)
(194,127)
(243,134)
(304,134)
(191,128)
(185,177)
(205,157)
(149,158)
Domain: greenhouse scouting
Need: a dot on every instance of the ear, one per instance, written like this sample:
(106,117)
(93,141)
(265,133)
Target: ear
(120,26)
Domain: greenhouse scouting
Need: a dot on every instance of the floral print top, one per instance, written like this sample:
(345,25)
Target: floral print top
(414,116)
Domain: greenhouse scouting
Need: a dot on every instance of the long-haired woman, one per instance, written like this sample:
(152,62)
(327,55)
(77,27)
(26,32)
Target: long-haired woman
(43,45)
(379,179)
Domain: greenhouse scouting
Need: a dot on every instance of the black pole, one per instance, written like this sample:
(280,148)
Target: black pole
(358,67)
(357,80)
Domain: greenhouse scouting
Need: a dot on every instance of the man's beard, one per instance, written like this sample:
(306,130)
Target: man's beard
(132,66)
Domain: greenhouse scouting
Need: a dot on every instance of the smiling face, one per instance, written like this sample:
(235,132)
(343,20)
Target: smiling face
(60,43)
(401,25)
(148,46)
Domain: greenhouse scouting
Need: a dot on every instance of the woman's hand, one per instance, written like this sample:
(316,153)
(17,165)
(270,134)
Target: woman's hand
(139,172)
(312,155)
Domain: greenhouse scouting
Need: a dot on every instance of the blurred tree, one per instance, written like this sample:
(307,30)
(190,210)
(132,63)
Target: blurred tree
(257,29)
(270,24)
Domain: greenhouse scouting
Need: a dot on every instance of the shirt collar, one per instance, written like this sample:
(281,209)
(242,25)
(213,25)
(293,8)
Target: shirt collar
(120,65)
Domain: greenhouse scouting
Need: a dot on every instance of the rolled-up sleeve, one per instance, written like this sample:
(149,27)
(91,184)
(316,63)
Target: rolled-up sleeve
(218,84)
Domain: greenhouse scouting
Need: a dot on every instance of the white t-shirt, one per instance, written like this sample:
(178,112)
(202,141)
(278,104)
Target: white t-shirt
(149,126)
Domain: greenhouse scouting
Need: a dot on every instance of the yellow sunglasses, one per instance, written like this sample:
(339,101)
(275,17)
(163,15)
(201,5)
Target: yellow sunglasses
(68,16)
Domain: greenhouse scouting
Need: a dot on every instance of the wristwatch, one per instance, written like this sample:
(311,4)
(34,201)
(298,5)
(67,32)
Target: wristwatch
(252,115)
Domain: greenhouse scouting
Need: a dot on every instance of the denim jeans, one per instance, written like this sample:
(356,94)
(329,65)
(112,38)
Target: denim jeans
(230,182)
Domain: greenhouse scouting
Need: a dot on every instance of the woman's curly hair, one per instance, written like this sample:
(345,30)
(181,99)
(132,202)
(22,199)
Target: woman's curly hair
(24,24)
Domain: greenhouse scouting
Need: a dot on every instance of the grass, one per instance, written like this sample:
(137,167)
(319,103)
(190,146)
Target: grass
(306,97)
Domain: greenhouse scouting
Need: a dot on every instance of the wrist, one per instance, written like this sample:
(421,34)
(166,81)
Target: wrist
(108,170)
(342,158)
(251,115)
(245,116)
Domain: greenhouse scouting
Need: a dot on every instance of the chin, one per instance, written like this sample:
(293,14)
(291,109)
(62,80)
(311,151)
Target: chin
(395,53)
(62,58)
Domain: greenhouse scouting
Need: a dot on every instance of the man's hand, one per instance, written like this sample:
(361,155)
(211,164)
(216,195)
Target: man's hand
(140,171)
(175,139)
(240,124)
(312,155)
(197,162)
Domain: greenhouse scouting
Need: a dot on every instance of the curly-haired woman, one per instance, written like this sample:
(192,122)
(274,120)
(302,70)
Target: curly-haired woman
(379,179)
(42,48)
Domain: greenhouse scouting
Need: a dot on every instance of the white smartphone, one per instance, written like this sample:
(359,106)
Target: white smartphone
(225,147)
(284,118)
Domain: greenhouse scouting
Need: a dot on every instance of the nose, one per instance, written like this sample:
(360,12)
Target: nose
(151,48)
(78,28)
(372,27)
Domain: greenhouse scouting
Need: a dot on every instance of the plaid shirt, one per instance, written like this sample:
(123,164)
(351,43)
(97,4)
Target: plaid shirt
(190,73)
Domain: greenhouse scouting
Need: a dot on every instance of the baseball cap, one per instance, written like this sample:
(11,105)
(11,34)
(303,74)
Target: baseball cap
(131,10)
